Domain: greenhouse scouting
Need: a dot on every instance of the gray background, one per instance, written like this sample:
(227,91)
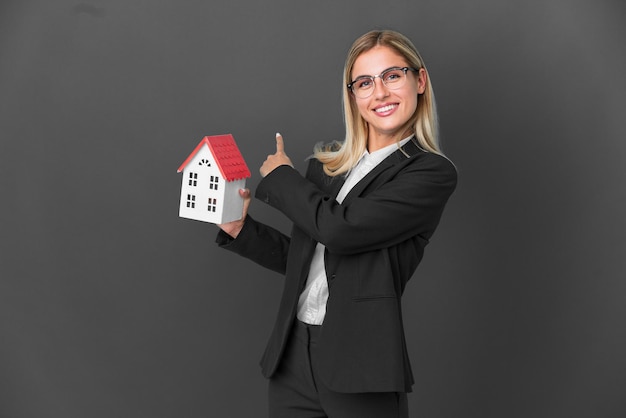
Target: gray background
(112,306)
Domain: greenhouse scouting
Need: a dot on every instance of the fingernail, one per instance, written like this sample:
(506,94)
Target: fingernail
(277,134)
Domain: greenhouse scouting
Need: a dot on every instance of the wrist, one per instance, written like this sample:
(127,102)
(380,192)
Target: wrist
(233,229)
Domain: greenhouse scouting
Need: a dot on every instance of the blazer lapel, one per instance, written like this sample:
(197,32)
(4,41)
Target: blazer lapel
(407,151)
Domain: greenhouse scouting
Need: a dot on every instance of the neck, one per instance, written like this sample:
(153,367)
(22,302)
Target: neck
(376,141)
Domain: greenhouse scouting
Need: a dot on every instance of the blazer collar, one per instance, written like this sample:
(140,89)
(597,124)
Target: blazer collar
(408,150)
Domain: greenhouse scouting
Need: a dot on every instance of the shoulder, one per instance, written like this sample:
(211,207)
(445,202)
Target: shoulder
(416,158)
(314,166)
(316,174)
(437,161)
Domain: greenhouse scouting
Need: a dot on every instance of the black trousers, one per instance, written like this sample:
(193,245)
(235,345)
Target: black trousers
(295,391)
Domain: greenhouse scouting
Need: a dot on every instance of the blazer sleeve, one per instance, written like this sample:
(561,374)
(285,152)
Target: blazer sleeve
(259,243)
(409,203)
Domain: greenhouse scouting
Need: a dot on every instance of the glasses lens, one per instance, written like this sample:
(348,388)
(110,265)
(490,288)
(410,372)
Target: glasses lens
(394,78)
(363,87)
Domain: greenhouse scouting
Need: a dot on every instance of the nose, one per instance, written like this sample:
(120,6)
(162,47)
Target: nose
(380,89)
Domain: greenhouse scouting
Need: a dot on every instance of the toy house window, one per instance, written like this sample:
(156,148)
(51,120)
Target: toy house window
(212,205)
(191,201)
(205,162)
(213,182)
(193,179)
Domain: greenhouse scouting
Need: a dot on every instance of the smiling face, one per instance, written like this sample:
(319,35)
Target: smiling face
(387,111)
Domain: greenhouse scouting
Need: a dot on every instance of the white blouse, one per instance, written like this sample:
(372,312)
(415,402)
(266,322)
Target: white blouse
(312,302)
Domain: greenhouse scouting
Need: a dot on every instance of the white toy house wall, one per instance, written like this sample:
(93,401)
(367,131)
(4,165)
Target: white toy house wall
(205,195)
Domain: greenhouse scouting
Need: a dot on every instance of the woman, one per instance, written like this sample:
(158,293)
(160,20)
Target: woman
(361,217)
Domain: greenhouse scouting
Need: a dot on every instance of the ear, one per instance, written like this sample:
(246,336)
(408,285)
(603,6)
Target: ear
(422,79)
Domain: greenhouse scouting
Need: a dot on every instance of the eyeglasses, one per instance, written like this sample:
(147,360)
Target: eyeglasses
(393,78)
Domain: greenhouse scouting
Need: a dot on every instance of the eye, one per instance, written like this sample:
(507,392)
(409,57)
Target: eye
(362,83)
(393,75)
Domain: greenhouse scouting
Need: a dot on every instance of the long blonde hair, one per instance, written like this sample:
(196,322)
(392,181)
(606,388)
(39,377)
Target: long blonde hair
(338,158)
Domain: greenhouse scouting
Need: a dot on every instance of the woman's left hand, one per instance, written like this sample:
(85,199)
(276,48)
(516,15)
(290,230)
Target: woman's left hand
(276,160)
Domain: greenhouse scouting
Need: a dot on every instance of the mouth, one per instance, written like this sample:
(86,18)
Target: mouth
(386,109)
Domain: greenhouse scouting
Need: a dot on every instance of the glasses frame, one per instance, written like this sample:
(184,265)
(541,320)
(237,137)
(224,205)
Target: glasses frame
(373,79)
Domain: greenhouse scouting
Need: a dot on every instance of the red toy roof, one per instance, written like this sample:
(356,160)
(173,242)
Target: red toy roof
(226,154)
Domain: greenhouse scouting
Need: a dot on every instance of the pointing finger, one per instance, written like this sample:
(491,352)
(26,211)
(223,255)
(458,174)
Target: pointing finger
(280,145)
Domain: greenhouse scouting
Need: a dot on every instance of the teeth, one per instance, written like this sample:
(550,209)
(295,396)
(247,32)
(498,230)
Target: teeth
(385,108)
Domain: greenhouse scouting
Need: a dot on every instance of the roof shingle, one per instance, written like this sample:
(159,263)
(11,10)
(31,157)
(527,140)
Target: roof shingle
(226,154)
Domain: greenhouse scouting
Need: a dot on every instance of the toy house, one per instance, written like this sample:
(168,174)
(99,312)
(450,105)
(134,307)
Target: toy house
(212,176)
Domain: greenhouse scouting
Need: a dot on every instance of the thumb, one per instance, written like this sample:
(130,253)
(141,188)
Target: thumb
(280,144)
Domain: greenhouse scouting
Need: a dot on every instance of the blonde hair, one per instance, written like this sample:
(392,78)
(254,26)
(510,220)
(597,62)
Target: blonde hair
(338,158)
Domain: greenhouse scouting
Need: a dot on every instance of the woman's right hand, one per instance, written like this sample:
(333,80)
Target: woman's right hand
(233,228)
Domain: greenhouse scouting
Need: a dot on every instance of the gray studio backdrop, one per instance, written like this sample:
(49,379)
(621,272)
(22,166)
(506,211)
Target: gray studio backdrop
(112,306)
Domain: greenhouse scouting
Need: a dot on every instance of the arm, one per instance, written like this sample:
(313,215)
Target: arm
(250,239)
(409,203)
(259,243)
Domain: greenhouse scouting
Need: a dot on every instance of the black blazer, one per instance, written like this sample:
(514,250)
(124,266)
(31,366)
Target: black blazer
(374,241)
